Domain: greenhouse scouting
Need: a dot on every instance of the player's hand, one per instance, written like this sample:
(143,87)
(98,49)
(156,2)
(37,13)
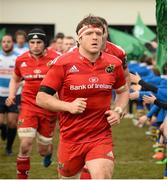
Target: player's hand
(135,78)
(10,100)
(78,106)
(113,117)
(135,87)
(149,99)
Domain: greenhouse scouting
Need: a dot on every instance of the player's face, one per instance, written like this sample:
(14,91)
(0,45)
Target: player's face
(36,46)
(20,40)
(7,44)
(91,41)
(67,44)
(59,44)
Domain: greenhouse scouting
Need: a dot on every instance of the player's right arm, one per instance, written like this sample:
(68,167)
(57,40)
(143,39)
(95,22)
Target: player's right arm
(50,85)
(52,103)
(13,86)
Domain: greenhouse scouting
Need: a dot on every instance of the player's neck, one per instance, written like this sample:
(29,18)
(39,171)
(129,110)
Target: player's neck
(92,57)
(37,56)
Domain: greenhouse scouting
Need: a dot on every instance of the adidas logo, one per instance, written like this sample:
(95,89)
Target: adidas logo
(23,64)
(73,69)
(35,36)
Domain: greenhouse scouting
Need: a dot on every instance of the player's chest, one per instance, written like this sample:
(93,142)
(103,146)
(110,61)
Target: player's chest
(89,79)
(34,69)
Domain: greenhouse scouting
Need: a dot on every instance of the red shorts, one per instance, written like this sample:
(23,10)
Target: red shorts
(43,124)
(72,156)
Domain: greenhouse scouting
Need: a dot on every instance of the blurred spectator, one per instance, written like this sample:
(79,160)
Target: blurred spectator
(7,62)
(57,43)
(20,46)
(68,43)
(34,122)
(151,46)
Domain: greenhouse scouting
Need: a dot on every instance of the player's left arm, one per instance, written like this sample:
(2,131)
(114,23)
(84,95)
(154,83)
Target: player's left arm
(127,76)
(121,87)
(122,97)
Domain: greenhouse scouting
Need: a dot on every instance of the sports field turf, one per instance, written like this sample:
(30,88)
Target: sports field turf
(133,151)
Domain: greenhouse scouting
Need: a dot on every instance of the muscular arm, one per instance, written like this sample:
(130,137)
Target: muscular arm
(122,97)
(47,99)
(127,76)
(51,103)
(13,86)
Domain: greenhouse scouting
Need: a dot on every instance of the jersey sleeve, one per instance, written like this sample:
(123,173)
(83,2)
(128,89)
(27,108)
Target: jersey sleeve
(17,68)
(54,77)
(120,78)
(117,51)
(120,53)
(124,62)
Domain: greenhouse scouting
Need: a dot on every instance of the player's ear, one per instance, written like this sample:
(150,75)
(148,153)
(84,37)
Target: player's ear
(79,40)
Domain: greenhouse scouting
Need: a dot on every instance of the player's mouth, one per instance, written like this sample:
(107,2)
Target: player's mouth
(94,44)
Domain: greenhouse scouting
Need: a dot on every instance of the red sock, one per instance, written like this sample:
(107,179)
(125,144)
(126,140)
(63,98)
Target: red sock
(85,174)
(23,167)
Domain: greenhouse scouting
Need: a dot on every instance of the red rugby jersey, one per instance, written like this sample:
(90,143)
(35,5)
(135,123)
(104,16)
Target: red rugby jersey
(33,70)
(74,76)
(117,51)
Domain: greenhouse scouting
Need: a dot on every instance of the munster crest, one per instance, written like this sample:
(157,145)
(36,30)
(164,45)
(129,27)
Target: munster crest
(110,68)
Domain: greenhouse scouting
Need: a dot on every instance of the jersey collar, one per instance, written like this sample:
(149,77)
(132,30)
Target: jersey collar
(84,59)
(43,55)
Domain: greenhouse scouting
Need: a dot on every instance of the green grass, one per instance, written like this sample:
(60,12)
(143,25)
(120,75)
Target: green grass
(133,152)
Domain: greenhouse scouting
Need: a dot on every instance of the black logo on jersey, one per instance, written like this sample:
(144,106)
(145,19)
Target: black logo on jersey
(125,61)
(60,165)
(110,68)
(20,122)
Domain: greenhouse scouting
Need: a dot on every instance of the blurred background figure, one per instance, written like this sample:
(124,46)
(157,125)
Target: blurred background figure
(8,115)
(33,121)
(68,43)
(57,43)
(21,45)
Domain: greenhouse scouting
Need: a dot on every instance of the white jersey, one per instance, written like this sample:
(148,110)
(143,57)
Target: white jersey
(7,63)
(21,50)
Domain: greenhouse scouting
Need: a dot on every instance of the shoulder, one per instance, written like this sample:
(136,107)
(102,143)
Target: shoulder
(109,58)
(23,57)
(115,47)
(66,58)
(15,53)
(52,54)
(73,49)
